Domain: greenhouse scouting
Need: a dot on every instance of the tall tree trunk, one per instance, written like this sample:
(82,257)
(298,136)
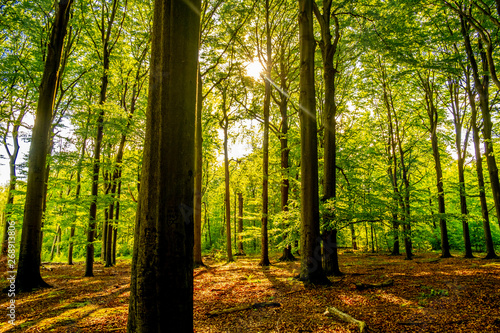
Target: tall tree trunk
(392,170)
(28,274)
(458,121)
(106,28)
(285,157)
(328,51)
(482,88)
(227,193)
(488,239)
(432,112)
(78,188)
(311,269)
(405,196)
(264,249)
(198,261)
(164,237)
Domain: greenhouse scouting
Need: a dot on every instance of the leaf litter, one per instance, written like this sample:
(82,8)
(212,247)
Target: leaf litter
(428,295)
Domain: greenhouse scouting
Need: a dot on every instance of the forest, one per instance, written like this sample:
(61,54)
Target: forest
(243,165)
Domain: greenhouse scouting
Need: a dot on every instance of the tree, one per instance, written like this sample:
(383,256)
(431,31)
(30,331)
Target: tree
(28,273)
(458,121)
(264,250)
(328,47)
(481,89)
(163,248)
(108,42)
(311,269)
(429,86)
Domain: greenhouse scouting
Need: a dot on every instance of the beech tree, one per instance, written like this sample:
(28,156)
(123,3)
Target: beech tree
(28,273)
(311,269)
(163,247)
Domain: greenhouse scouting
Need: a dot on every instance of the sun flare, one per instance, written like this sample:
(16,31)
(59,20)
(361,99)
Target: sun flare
(254,69)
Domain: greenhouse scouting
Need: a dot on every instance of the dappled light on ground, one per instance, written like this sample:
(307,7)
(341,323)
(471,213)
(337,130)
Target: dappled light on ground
(428,295)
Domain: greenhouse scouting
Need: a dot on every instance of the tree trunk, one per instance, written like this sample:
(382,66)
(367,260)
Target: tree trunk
(107,47)
(89,258)
(12,180)
(264,249)
(241,252)
(488,239)
(391,152)
(198,261)
(328,51)
(285,158)
(405,196)
(353,237)
(482,88)
(117,219)
(432,112)
(311,269)
(161,295)
(28,274)
(458,121)
(9,203)
(227,195)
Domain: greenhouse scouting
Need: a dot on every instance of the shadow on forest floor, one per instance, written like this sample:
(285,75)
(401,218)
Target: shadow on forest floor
(429,295)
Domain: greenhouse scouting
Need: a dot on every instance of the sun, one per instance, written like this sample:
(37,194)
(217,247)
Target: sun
(255,70)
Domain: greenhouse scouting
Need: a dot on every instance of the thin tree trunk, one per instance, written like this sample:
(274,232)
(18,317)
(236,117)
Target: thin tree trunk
(264,249)
(227,195)
(198,261)
(285,159)
(432,112)
(12,180)
(106,28)
(241,252)
(458,121)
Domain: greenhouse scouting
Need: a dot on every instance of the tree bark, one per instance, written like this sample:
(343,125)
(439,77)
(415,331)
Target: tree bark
(264,249)
(432,112)
(328,51)
(285,157)
(28,274)
(227,193)
(161,295)
(12,179)
(458,121)
(198,261)
(482,90)
(311,269)
(108,44)
(78,187)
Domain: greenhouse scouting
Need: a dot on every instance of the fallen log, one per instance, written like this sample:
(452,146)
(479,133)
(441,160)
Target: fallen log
(243,307)
(363,286)
(331,311)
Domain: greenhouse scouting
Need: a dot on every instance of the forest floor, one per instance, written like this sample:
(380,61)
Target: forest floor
(428,295)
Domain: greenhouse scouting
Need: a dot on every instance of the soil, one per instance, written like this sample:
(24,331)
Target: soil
(428,295)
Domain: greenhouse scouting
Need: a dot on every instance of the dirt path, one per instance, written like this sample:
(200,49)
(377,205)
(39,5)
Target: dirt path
(428,295)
